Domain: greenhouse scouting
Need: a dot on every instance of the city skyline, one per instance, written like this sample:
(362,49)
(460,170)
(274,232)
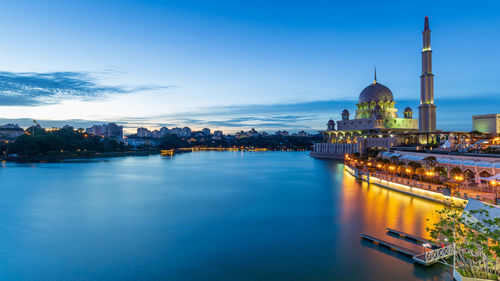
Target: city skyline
(233,66)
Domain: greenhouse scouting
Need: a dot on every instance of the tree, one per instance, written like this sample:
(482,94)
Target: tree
(420,172)
(476,242)
(441,171)
(430,162)
(456,171)
(394,159)
(414,165)
(476,133)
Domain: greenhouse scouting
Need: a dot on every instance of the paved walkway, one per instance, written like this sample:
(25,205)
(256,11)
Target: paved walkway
(465,193)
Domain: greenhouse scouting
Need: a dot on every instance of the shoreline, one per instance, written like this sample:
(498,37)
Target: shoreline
(412,191)
(62,158)
(43,159)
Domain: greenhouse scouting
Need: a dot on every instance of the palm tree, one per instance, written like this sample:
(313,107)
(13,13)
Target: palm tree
(455,171)
(420,171)
(457,174)
(430,162)
(414,165)
(441,171)
(409,170)
(394,159)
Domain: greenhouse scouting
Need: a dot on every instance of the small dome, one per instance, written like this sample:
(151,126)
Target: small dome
(345,111)
(408,109)
(375,92)
(330,121)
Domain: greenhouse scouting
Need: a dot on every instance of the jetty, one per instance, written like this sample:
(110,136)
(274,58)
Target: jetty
(419,253)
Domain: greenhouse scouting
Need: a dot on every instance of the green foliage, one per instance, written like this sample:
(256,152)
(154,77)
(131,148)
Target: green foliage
(414,165)
(476,133)
(171,142)
(455,171)
(270,142)
(430,162)
(441,171)
(373,152)
(476,242)
(61,142)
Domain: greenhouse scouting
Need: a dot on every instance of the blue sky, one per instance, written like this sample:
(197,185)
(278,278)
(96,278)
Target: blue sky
(234,65)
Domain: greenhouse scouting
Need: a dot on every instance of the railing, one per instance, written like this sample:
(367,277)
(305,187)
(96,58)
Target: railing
(435,255)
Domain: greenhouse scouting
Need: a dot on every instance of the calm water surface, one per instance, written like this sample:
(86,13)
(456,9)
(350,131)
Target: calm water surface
(201,216)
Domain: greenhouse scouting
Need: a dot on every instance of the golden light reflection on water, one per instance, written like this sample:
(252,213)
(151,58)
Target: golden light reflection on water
(378,208)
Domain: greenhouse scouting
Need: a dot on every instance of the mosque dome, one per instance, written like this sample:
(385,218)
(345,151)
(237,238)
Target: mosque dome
(375,92)
(408,109)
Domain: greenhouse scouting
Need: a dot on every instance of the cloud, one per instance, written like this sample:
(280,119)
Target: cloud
(276,121)
(77,123)
(31,88)
(452,113)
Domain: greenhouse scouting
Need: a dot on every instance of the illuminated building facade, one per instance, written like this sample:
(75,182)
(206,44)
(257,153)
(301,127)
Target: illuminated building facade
(427,109)
(488,123)
(376,122)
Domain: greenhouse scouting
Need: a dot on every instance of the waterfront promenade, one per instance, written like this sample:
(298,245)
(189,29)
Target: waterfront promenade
(428,190)
(463,193)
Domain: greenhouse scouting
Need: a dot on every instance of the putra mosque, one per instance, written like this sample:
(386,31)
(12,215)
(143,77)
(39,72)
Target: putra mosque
(377,122)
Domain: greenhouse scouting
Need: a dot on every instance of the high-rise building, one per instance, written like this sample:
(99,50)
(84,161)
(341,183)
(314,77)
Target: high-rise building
(427,109)
(106,130)
(488,123)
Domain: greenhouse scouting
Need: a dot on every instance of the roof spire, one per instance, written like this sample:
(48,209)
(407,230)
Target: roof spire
(426,25)
(375,75)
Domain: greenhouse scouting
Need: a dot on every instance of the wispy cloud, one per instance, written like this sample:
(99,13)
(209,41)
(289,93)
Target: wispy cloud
(32,88)
(274,121)
(453,113)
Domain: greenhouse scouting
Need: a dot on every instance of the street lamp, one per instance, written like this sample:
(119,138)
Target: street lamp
(494,184)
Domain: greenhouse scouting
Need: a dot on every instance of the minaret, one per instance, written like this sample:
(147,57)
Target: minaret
(427,109)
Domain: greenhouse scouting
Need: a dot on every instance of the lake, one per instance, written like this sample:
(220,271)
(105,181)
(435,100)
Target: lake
(202,216)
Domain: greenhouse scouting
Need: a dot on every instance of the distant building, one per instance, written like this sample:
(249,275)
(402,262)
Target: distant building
(111,130)
(302,134)
(241,135)
(253,133)
(489,123)
(114,131)
(9,132)
(218,135)
(283,133)
(199,135)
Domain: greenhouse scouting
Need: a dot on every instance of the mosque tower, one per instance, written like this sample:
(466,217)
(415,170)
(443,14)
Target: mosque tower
(427,109)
